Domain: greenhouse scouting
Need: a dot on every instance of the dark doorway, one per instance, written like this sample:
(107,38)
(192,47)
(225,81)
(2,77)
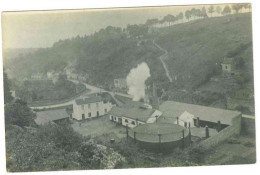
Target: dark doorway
(83,116)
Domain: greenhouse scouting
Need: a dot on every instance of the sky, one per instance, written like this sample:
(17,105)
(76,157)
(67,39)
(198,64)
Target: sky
(38,29)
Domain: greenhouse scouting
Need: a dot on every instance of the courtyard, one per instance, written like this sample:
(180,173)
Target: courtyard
(99,127)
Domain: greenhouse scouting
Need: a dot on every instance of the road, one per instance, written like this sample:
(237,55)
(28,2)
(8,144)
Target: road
(162,58)
(92,90)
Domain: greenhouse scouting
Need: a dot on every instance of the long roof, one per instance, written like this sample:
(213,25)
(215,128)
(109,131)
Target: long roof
(174,109)
(50,115)
(88,100)
(136,113)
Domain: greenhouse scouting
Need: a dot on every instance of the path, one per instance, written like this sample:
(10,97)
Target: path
(93,89)
(162,58)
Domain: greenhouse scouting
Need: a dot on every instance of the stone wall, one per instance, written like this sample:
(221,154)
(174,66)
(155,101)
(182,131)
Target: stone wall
(224,134)
(248,125)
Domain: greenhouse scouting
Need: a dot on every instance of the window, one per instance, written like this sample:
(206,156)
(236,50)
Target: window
(226,67)
(97,114)
(89,106)
(126,120)
(83,116)
(105,111)
(89,114)
(133,122)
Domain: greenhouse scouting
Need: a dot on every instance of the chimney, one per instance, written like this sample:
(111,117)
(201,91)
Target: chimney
(155,102)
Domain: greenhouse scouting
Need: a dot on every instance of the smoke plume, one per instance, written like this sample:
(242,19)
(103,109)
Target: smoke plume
(136,81)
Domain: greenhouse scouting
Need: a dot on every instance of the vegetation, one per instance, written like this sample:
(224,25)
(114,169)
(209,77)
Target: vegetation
(7,94)
(42,91)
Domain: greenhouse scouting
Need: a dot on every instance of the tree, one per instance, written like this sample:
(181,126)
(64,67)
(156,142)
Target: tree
(18,113)
(226,10)
(151,22)
(218,9)
(204,12)
(237,7)
(193,12)
(169,18)
(7,94)
(211,10)
(188,14)
(180,16)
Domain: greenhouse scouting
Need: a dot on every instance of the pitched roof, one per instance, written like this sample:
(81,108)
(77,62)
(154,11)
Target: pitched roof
(88,100)
(50,115)
(141,114)
(174,109)
(228,60)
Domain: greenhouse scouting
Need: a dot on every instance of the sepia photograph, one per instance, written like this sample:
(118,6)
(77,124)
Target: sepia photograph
(132,87)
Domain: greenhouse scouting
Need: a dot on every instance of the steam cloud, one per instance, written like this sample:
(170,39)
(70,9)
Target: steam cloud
(136,81)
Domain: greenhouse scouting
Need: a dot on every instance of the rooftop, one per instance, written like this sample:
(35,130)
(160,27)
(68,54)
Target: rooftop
(141,114)
(88,100)
(172,109)
(50,115)
(228,60)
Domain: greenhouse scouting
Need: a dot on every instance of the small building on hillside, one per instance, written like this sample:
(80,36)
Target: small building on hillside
(134,116)
(52,115)
(38,76)
(228,65)
(120,83)
(88,108)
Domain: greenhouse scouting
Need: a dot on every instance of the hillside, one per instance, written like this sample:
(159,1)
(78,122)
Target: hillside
(195,51)
(197,48)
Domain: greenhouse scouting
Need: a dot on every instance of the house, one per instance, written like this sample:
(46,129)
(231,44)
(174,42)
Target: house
(37,76)
(133,116)
(228,65)
(90,107)
(120,83)
(53,115)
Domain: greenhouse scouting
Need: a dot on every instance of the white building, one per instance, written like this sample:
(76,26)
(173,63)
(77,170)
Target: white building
(185,118)
(133,116)
(90,107)
(120,83)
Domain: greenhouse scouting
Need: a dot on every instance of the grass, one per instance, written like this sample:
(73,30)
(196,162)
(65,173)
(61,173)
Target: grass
(195,48)
(241,150)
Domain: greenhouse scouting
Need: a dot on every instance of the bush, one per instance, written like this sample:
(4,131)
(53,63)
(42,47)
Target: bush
(233,141)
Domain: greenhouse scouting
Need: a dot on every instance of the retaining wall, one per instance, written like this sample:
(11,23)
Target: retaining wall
(224,134)
(248,125)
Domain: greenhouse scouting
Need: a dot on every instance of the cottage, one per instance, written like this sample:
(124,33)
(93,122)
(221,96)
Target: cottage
(120,83)
(228,65)
(90,107)
(133,116)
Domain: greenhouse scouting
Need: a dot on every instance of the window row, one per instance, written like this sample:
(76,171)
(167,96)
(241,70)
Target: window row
(89,106)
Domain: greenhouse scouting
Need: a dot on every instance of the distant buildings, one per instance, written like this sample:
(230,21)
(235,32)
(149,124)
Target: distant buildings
(72,74)
(228,66)
(120,83)
(90,107)
(38,76)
